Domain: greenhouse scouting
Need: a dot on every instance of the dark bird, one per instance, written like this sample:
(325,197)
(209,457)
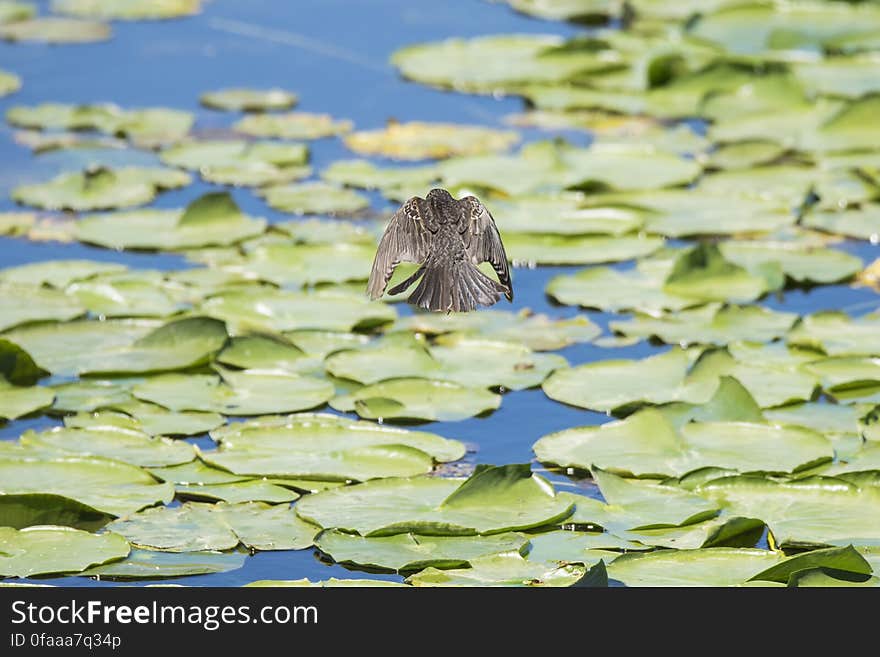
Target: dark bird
(448,238)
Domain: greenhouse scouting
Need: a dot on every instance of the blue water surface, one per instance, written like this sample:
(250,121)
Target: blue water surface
(334,54)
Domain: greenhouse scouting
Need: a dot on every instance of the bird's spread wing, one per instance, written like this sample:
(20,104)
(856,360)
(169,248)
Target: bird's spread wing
(406,239)
(483,242)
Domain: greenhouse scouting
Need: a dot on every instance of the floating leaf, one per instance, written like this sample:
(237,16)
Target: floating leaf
(507,569)
(195,473)
(269,309)
(240,491)
(295,125)
(838,334)
(573,546)
(862,223)
(212,219)
(267,352)
(30,509)
(90,394)
(248,100)
(326,447)
(492,501)
(418,140)
(48,549)
(565,214)
(408,552)
(109,486)
(710,324)
(646,444)
(744,155)
(536,331)
(418,399)
(335,231)
(801,262)
(55,30)
(125,445)
(466,361)
(842,560)
(702,273)
(577,250)
(24,303)
(100,188)
(148,418)
(9,83)
(239,162)
(392,181)
(11,11)
(816,511)
(58,273)
(704,567)
(152,564)
(126,9)
(314,198)
(195,526)
(18,401)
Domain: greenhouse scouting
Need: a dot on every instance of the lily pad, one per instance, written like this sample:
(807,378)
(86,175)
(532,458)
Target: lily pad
(58,273)
(495,499)
(646,444)
(212,219)
(838,334)
(55,30)
(269,309)
(109,486)
(11,11)
(18,401)
(236,492)
(842,560)
(506,569)
(47,549)
(248,100)
(126,9)
(100,188)
(24,303)
(240,162)
(745,154)
(90,394)
(408,552)
(466,361)
(800,262)
(563,214)
(417,399)
(326,447)
(30,509)
(244,392)
(577,250)
(861,223)
(9,83)
(148,418)
(294,125)
(703,273)
(703,567)
(194,526)
(417,140)
(151,564)
(816,511)
(268,352)
(314,198)
(392,181)
(709,324)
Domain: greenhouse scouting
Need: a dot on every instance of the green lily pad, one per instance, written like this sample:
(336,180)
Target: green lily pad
(295,265)
(418,140)
(16,365)
(244,392)
(212,219)
(269,309)
(574,546)
(109,486)
(852,128)
(842,373)
(506,569)
(417,399)
(482,504)
(239,162)
(9,83)
(148,418)
(702,273)
(838,76)
(194,526)
(837,334)
(408,552)
(12,11)
(295,125)
(392,181)
(314,198)
(24,303)
(565,214)
(647,444)
(48,549)
(126,9)
(492,63)
(58,273)
(536,331)
(268,352)
(249,100)
(100,188)
(803,263)
(126,445)
(195,473)
(31,509)
(152,564)
(709,324)
(326,447)
(577,250)
(843,560)
(55,30)
(18,401)
(127,295)
(467,361)
(236,492)
(16,224)
(703,567)
(88,395)
(333,231)
(613,384)
(862,223)
(816,511)
(332,582)
(745,155)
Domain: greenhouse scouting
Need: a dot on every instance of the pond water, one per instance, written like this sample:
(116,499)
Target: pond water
(334,55)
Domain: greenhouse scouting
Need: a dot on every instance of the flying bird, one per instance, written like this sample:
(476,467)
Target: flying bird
(448,238)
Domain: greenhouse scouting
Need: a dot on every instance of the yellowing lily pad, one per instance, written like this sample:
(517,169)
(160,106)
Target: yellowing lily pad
(294,125)
(248,100)
(421,141)
(126,9)
(55,30)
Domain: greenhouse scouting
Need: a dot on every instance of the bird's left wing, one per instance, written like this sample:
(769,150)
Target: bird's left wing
(483,242)
(406,239)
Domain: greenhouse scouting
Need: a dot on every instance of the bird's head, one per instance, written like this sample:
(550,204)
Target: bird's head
(443,204)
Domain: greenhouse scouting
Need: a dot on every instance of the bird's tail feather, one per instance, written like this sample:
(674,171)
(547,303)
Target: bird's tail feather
(457,287)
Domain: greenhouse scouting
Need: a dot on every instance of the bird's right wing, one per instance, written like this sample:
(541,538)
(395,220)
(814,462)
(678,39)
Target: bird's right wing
(406,239)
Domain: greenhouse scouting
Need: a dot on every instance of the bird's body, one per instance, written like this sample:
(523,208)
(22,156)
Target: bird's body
(448,238)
